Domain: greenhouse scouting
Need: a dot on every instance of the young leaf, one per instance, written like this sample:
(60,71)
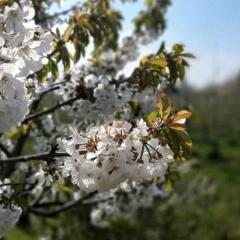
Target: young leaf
(67,33)
(183,114)
(151,117)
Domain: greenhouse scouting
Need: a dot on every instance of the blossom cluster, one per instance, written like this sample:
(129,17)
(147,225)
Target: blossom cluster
(23,47)
(103,97)
(99,96)
(105,156)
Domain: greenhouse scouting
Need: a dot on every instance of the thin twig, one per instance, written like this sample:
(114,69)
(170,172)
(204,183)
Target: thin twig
(65,12)
(48,204)
(50,110)
(68,79)
(159,154)
(44,157)
(12,184)
(65,207)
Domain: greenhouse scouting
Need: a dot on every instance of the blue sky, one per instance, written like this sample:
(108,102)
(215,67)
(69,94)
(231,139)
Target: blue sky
(208,28)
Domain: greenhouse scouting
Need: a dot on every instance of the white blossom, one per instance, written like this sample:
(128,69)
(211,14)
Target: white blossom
(13,102)
(41,179)
(8,219)
(103,157)
(22,52)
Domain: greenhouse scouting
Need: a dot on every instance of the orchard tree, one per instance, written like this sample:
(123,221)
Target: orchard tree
(76,128)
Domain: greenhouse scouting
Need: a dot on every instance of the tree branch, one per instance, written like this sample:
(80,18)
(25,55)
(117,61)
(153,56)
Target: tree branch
(11,184)
(48,204)
(65,12)
(50,110)
(65,207)
(27,158)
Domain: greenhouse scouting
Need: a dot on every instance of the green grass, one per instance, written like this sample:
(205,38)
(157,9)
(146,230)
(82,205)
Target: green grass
(18,234)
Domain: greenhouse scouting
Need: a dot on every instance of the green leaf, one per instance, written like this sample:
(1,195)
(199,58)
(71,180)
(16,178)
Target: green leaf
(173,141)
(181,71)
(160,62)
(188,55)
(67,33)
(58,33)
(149,3)
(164,107)
(151,117)
(161,49)
(179,141)
(178,48)
(65,58)
(185,142)
(183,114)
(54,69)
(77,54)
(64,188)
(144,61)
(168,186)
(43,73)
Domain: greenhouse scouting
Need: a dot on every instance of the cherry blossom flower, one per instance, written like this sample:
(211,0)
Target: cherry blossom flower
(13,102)
(9,217)
(104,156)
(21,53)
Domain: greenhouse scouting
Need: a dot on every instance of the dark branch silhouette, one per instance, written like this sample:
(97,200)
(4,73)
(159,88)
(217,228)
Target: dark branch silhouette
(65,207)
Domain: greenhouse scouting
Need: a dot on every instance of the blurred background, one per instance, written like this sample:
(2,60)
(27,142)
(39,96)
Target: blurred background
(206,200)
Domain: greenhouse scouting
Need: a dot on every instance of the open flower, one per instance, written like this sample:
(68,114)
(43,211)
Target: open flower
(13,102)
(103,157)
